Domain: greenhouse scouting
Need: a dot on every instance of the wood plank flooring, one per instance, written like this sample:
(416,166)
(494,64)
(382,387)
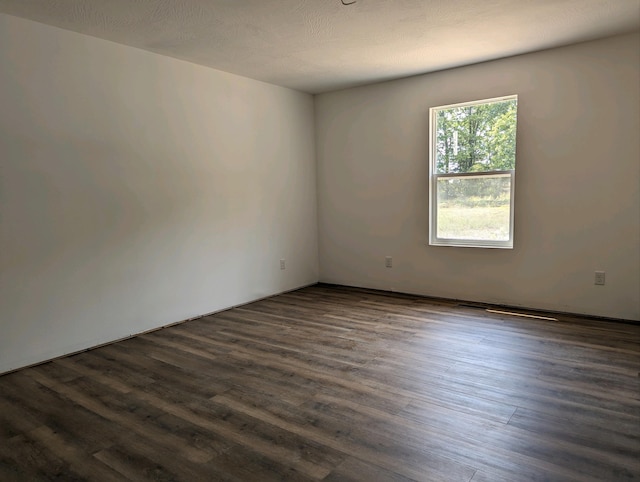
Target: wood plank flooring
(335,384)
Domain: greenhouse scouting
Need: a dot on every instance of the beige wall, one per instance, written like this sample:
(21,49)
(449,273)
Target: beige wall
(137,190)
(577,189)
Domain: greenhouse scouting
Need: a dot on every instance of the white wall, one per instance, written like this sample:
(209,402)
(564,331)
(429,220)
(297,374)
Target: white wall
(577,189)
(138,190)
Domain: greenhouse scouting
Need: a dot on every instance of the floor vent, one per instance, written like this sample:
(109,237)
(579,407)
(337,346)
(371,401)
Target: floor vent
(524,315)
(479,306)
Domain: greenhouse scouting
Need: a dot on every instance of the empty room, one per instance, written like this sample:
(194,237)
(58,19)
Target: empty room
(320,240)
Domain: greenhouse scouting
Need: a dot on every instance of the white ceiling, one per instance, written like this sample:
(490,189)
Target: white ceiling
(321,45)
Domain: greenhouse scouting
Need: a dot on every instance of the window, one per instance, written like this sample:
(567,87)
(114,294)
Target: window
(472,173)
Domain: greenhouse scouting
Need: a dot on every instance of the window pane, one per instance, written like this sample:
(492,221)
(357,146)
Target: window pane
(474,208)
(476,138)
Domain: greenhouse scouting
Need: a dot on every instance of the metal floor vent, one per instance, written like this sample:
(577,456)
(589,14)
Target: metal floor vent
(523,315)
(479,306)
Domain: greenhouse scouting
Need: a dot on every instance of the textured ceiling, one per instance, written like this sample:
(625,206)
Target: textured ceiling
(322,45)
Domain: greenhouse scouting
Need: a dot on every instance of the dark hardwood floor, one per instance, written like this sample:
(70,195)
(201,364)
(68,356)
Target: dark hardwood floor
(335,384)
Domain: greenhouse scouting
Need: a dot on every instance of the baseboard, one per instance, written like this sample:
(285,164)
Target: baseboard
(481,304)
(110,342)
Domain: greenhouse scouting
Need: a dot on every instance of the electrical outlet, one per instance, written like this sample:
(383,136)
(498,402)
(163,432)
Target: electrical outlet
(599,278)
(388,262)
(282,264)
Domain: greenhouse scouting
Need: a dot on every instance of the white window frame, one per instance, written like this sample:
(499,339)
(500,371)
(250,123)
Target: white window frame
(434,176)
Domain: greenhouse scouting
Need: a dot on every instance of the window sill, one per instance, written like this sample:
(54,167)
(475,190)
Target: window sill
(471,244)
